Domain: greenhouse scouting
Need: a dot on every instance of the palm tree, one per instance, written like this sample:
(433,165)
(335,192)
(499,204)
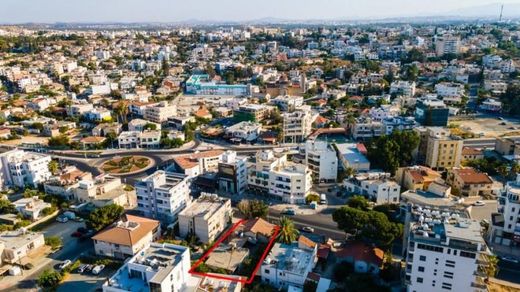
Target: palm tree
(288,232)
(122,111)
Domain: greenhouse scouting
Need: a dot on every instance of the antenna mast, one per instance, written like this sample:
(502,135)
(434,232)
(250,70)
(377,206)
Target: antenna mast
(501,11)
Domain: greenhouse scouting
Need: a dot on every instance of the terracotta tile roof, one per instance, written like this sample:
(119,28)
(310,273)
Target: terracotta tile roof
(320,120)
(202,112)
(470,151)
(362,252)
(471,176)
(118,234)
(417,176)
(306,242)
(259,225)
(192,160)
(93,139)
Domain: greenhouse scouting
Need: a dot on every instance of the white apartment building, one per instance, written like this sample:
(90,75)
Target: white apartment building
(31,207)
(159,113)
(136,139)
(159,267)
(79,108)
(322,160)
(288,103)
(206,217)
(19,168)
(449,89)
(401,87)
(290,182)
(444,251)
(297,125)
(103,190)
(288,265)
(232,173)
(16,245)
(377,186)
(244,131)
(163,195)
(505,227)
(366,128)
(350,156)
(140,124)
(125,238)
(197,163)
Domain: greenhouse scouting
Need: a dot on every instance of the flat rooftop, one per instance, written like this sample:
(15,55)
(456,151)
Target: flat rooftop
(205,204)
(289,258)
(15,239)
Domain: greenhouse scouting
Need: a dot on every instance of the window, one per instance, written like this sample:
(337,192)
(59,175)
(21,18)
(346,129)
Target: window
(419,280)
(446,286)
(450,264)
(467,254)
(267,271)
(422,258)
(421,269)
(430,247)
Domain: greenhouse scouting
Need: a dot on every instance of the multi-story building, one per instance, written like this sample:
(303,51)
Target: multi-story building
(163,195)
(377,186)
(140,125)
(135,139)
(126,237)
(322,160)
(470,182)
(290,182)
(416,177)
(287,103)
(206,217)
(244,131)
(398,124)
(252,112)
(104,190)
(20,168)
(297,125)
(31,207)
(197,163)
(443,151)
(159,113)
(432,113)
(202,85)
(447,44)
(405,88)
(232,173)
(505,225)
(449,89)
(352,155)
(443,251)
(508,145)
(159,267)
(289,264)
(366,128)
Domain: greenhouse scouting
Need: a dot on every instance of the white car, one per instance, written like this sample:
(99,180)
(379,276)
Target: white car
(479,203)
(308,229)
(64,264)
(509,259)
(97,269)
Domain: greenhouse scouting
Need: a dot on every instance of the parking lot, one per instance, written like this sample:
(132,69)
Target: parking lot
(489,126)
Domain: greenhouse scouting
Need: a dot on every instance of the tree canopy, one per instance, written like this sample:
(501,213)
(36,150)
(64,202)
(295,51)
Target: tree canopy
(392,151)
(104,216)
(253,208)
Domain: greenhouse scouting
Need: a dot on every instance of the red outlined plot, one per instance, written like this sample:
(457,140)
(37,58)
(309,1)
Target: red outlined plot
(234,278)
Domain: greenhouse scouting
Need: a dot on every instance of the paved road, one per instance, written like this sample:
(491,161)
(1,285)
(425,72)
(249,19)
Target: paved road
(509,272)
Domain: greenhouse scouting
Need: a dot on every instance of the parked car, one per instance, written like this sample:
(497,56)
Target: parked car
(509,259)
(62,219)
(82,268)
(479,203)
(88,268)
(97,269)
(28,266)
(64,264)
(308,229)
(76,234)
(289,211)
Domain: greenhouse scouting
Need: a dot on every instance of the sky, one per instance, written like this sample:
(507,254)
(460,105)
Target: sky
(50,11)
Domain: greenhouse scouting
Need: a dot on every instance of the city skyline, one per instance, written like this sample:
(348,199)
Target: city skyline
(51,11)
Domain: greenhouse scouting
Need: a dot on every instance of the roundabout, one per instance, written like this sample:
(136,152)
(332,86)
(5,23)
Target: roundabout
(124,165)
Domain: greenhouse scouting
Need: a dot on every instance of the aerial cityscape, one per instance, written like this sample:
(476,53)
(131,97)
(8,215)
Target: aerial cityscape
(339,146)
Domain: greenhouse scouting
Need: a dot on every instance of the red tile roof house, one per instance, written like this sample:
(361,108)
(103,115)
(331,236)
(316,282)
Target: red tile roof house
(366,259)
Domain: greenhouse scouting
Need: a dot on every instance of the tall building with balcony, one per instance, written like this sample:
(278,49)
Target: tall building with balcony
(444,250)
(160,112)
(232,173)
(163,196)
(439,149)
(505,225)
(322,160)
(290,182)
(297,125)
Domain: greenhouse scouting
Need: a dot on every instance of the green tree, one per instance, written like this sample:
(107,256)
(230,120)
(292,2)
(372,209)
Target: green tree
(358,202)
(49,279)
(6,207)
(61,140)
(312,198)
(54,167)
(394,150)
(288,232)
(253,209)
(104,216)
(54,242)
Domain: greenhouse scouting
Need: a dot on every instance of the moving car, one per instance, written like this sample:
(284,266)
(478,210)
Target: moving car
(509,259)
(289,211)
(97,269)
(62,219)
(308,229)
(479,203)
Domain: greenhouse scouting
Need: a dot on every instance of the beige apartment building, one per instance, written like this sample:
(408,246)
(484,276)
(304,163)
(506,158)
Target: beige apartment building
(442,150)
(470,182)
(206,217)
(297,125)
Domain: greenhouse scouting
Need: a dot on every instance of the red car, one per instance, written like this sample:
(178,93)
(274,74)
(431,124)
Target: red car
(76,234)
